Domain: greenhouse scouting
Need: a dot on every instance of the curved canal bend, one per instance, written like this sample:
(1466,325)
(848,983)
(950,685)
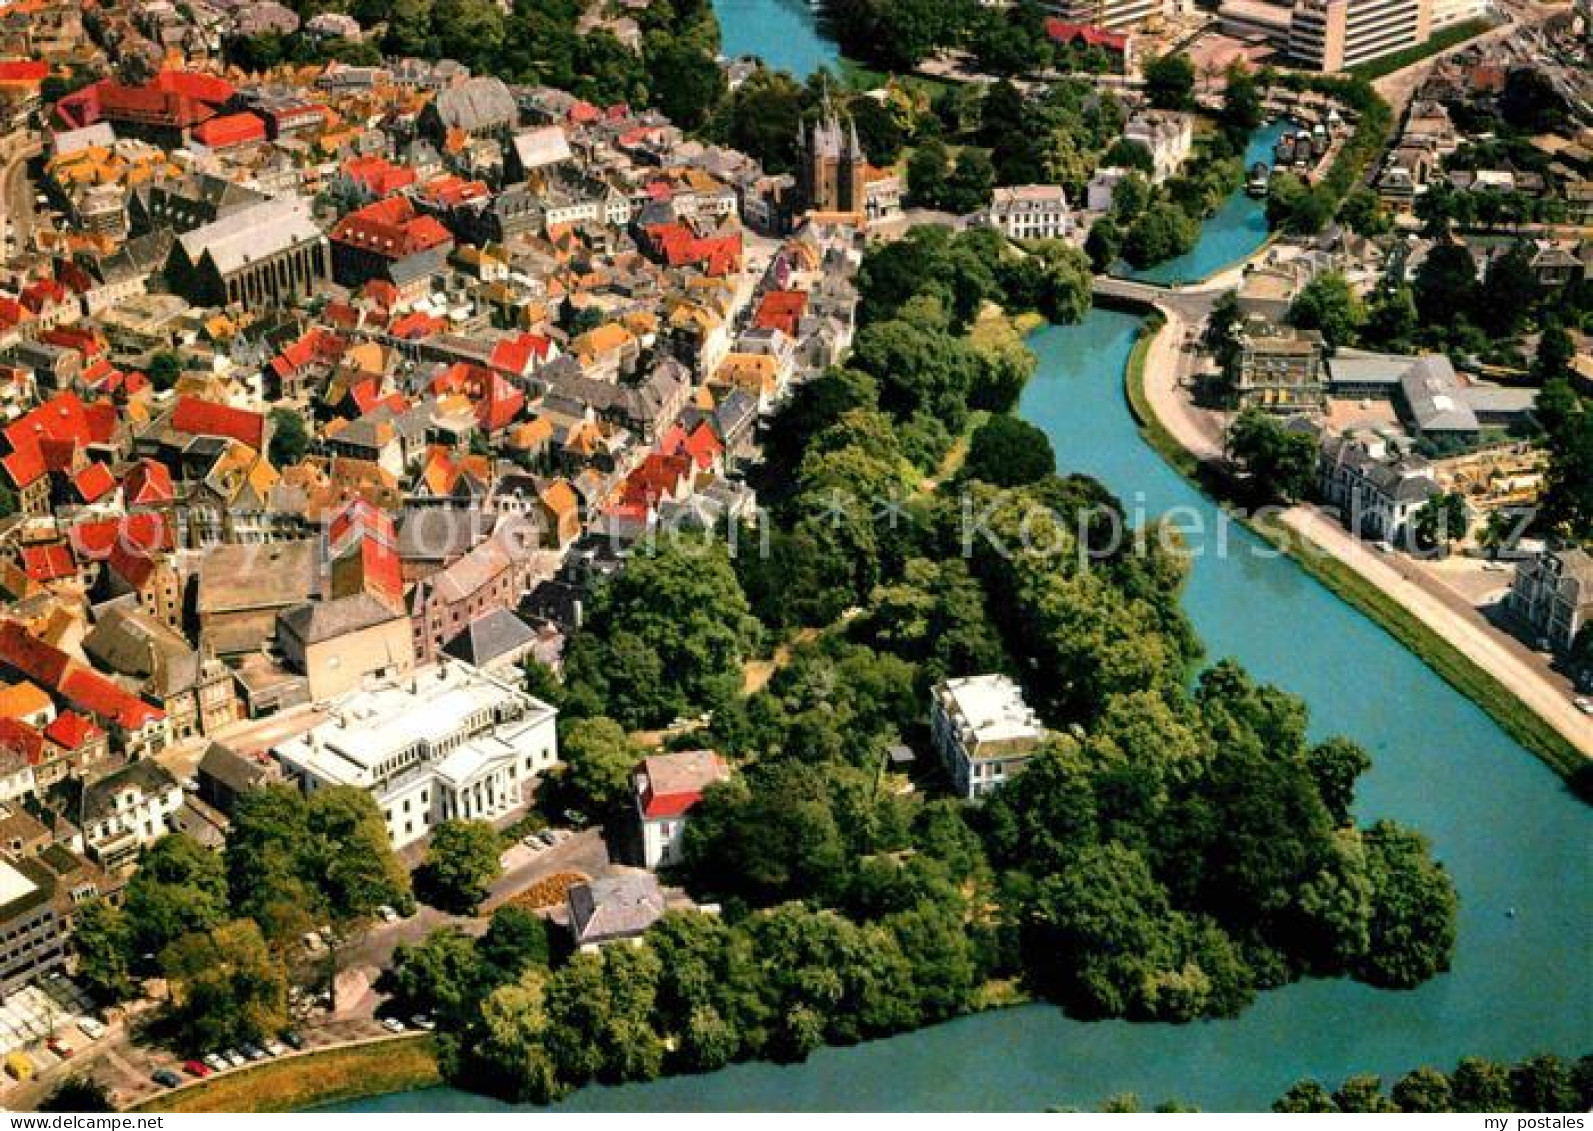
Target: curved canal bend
(1516,842)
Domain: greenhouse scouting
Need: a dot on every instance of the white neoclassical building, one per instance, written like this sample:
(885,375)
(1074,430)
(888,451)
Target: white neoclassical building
(447,741)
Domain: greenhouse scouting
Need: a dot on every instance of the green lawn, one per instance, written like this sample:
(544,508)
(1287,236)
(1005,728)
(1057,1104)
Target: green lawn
(312,1079)
(1443,41)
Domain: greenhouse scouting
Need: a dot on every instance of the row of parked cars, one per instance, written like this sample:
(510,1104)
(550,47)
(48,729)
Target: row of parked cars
(214,1062)
(545,838)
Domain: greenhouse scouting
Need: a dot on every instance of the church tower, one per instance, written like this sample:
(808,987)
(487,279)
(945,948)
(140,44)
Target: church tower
(831,166)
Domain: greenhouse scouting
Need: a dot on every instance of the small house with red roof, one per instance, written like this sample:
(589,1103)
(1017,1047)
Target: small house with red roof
(497,403)
(53,443)
(667,787)
(1084,37)
(372,177)
(138,729)
(229,131)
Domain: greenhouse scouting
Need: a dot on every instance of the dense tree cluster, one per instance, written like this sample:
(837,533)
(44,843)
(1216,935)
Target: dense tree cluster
(1542,1083)
(1168,853)
(222,928)
(1279,463)
(669,633)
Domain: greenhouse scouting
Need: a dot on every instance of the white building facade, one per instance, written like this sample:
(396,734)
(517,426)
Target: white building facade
(1031,212)
(983,731)
(449,742)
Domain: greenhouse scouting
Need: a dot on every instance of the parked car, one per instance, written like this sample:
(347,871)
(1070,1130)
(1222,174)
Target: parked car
(216,1062)
(292,1039)
(275,1048)
(392,1025)
(59,1047)
(422,1022)
(387,914)
(19,1066)
(1584,704)
(312,941)
(235,1058)
(196,1069)
(92,1029)
(166,1078)
(253,1052)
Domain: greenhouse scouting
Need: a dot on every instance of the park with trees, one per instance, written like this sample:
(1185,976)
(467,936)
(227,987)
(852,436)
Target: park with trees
(1176,849)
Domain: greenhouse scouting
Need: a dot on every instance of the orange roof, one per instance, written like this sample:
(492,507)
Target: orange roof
(23,699)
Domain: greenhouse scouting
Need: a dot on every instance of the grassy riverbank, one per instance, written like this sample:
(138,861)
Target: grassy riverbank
(312,1079)
(1453,666)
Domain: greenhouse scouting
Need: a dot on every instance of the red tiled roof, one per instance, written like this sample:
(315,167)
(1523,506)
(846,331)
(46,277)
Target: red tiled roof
(1064,32)
(390,228)
(101,698)
(23,740)
(315,344)
(149,482)
(206,418)
(359,519)
(144,533)
(781,310)
(229,130)
(377,175)
(516,354)
(71,730)
(48,563)
(679,247)
(25,71)
(47,438)
(450,190)
(415,325)
(497,402)
(94,482)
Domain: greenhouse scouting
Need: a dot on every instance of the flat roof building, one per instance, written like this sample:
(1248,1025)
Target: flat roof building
(449,741)
(984,731)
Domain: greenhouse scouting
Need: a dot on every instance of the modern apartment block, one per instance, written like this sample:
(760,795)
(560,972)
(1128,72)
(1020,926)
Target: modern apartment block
(1114,15)
(1335,35)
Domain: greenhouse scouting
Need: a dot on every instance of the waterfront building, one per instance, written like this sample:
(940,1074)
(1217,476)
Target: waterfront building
(984,732)
(614,909)
(1166,135)
(1031,212)
(1552,594)
(1279,369)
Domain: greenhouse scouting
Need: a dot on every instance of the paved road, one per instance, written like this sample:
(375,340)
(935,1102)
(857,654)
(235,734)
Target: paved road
(16,192)
(1415,586)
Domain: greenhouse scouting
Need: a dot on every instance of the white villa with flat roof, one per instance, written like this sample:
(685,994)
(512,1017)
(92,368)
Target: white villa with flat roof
(983,731)
(449,741)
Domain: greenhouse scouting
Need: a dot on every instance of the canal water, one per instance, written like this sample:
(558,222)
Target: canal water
(784,32)
(1519,846)
(1235,230)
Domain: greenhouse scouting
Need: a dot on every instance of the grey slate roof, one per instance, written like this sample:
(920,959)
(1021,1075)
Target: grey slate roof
(99,797)
(317,621)
(617,907)
(479,103)
(490,636)
(252,233)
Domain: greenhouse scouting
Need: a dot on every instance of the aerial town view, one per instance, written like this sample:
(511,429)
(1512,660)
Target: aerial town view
(678,556)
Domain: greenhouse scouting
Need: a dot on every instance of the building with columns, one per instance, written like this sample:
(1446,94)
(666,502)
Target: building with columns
(271,253)
(445,741)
